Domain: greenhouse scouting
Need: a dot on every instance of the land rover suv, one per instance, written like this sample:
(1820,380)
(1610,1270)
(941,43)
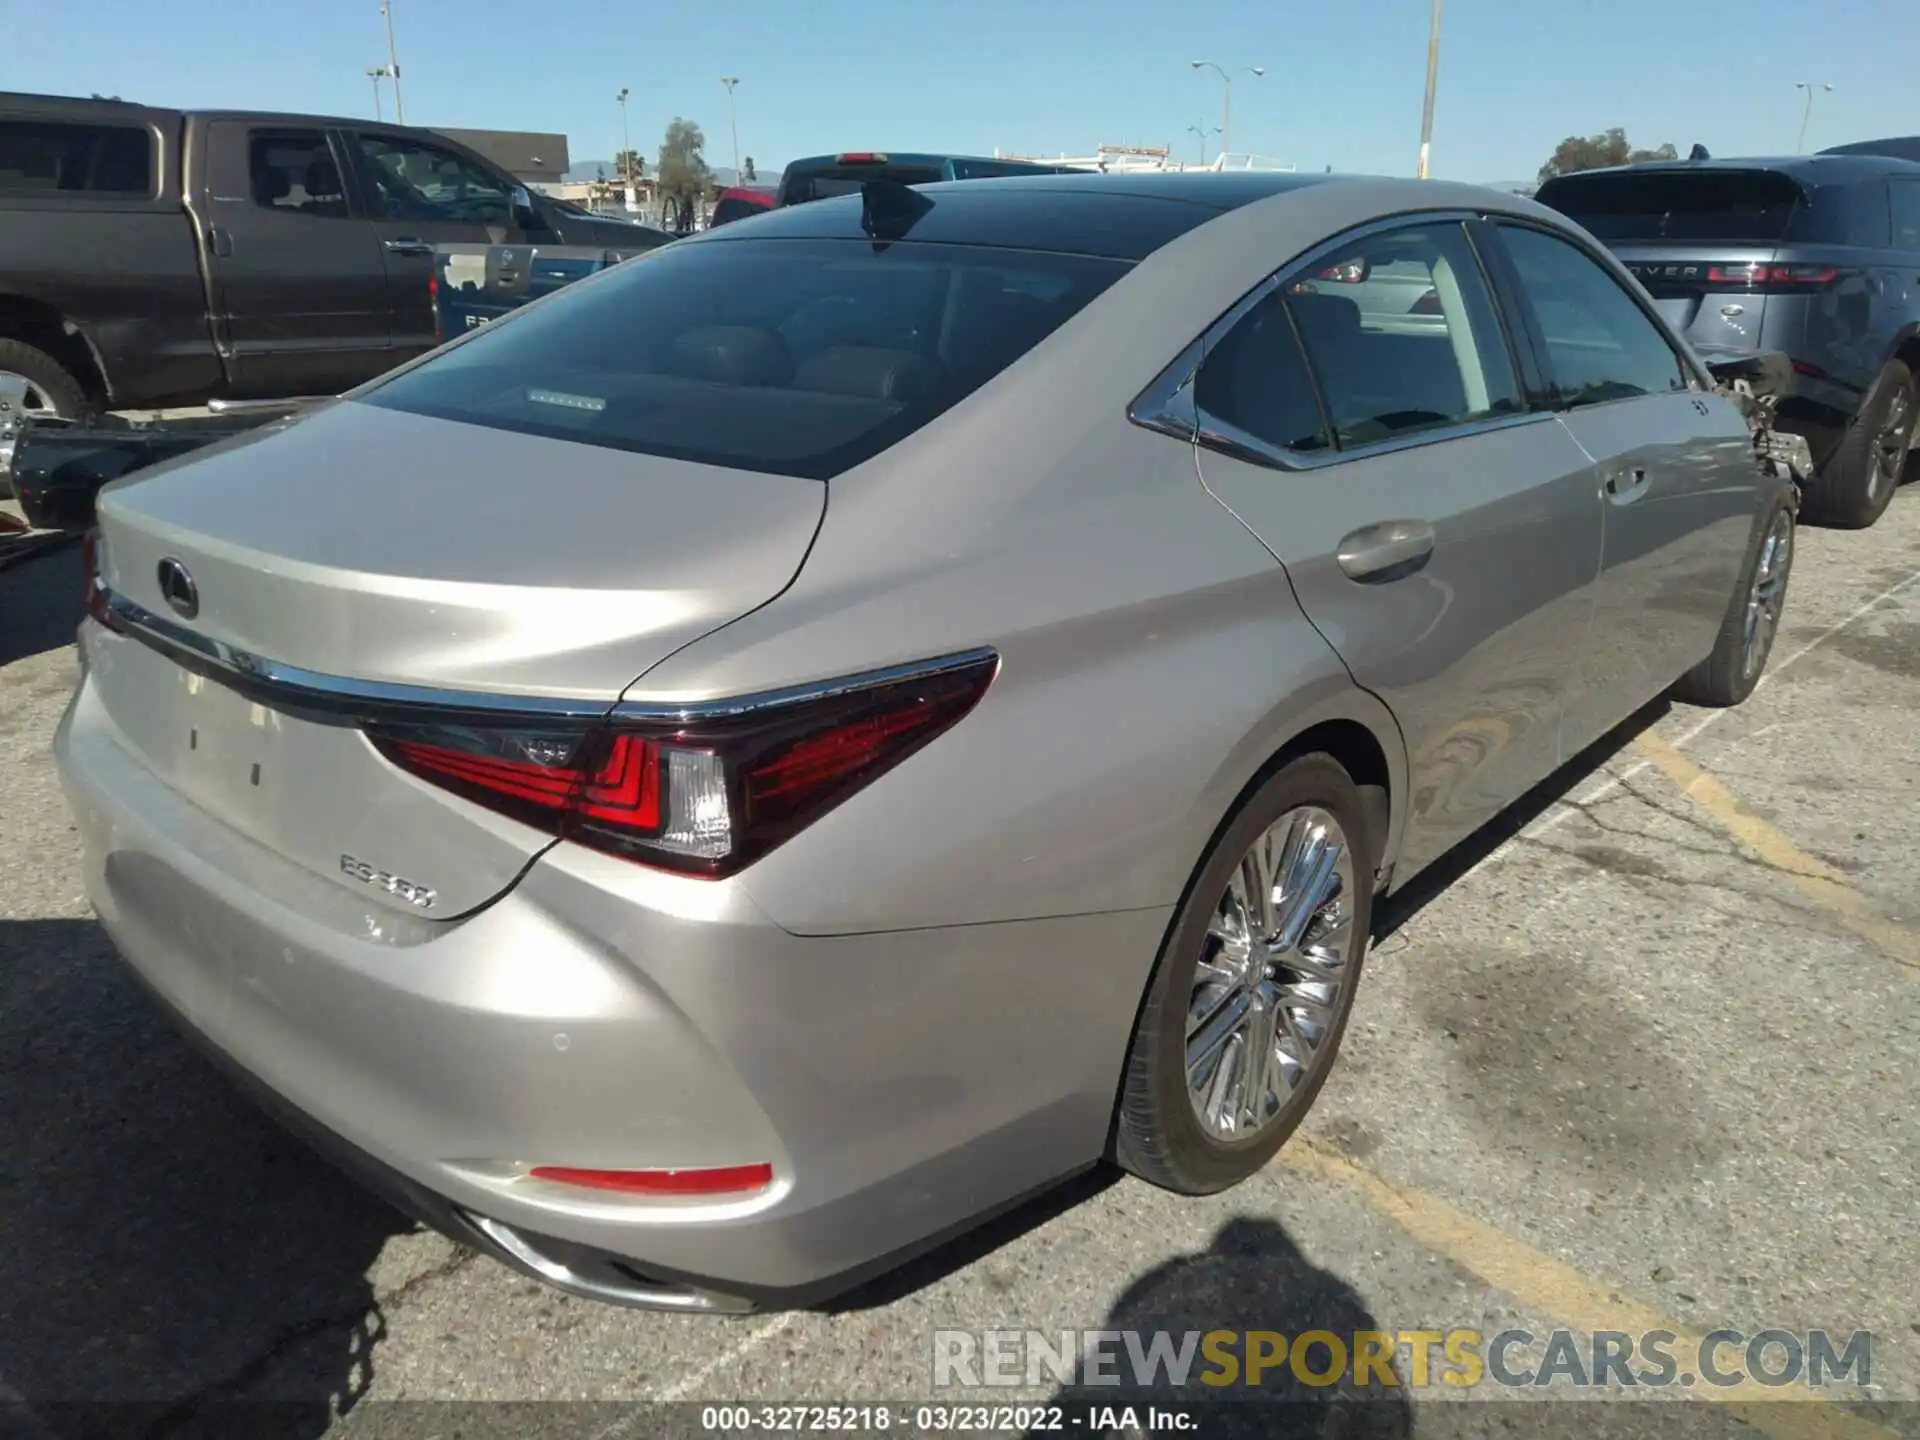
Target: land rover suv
(1815,256)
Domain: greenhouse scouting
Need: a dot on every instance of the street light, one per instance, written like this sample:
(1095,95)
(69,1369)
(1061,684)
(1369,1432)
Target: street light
(1433,77)
(1203,132)
(626,152)
(733,123)
(393,65)
(1807,114)
(376,75)
(1226,95)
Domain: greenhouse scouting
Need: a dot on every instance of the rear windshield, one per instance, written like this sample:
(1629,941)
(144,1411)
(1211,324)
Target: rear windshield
(798,187)
(1731,205)
(793,357)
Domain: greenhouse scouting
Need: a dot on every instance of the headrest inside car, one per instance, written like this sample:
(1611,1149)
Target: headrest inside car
(731,355)
(869,371)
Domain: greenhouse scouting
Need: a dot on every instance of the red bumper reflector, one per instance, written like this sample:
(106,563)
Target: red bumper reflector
(727,1180)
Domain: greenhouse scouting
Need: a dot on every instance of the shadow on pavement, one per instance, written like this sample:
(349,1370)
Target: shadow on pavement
(166,1244)
(1252,1277)
(39,604)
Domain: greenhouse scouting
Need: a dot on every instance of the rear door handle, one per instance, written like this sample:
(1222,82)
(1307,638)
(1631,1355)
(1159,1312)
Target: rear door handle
(1390,550)
(1623,487)
(407,245)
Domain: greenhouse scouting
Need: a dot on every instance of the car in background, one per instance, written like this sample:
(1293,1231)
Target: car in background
(737,202)
(824,176)
(1816,257)
(896,702)
(1899,147)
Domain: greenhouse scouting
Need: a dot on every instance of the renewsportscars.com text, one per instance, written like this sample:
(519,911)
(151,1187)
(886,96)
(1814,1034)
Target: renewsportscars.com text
(1459,1358)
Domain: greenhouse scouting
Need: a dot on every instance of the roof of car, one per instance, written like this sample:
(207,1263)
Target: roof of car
(1822,167)
(1117,216)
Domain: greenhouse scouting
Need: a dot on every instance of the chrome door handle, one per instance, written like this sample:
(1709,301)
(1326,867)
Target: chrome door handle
(407,245)
(1390,550)
(1623,487)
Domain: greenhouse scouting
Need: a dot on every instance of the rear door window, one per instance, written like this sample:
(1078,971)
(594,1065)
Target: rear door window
(1601,345)
(796,357)
(53,157)
(1753,206)
(293,172)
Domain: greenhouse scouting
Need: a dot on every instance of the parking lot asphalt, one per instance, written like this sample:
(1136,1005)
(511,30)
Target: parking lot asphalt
(1645,1059)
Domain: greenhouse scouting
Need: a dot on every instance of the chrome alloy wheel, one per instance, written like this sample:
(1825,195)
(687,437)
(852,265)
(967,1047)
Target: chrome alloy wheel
(1887,461)
(20,399)
(1768,594)
(1274,977)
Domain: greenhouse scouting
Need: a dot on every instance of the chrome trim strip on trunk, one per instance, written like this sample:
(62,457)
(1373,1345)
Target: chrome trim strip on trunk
(339,700)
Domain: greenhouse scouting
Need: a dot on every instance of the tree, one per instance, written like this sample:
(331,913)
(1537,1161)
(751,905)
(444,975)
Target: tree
(1595,152)
(683,172)
(628,165)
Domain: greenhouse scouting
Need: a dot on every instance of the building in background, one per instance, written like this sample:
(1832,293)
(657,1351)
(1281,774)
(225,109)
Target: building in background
(530,157)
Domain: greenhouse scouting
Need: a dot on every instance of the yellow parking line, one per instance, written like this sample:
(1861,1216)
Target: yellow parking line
(1812,877)
(1556,1289)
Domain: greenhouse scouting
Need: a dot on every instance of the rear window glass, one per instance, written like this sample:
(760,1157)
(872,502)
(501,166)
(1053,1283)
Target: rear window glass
(1733,205)
(798,188)
(47,157)
(794,357)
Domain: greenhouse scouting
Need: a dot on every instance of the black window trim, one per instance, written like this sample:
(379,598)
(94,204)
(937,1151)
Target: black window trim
(1691,368)
(1169,407)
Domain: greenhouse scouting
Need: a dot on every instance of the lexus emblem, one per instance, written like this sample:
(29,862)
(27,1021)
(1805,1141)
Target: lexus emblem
(178,588)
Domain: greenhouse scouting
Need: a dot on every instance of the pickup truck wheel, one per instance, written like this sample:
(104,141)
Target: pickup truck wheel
(32,384)
(1855,486)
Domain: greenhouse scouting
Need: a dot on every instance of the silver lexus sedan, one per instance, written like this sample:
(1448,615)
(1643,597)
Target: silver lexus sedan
(772,753)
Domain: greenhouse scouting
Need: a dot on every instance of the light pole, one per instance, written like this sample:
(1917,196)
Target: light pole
(733,123)
(1203,132)
(1226,95)
(1807,114)
(393,64)
(629,194)
(1433,80)
(376,75)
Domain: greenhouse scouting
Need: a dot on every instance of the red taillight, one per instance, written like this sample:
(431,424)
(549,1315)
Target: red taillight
(701,795)
(860,157)
(1346,272)
(93,594)
(1757,276)
(723,1180)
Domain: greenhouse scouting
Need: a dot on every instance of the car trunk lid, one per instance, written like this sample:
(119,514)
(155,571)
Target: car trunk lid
(409,557)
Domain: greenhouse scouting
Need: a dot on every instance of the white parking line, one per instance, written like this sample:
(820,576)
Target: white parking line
(688,1386)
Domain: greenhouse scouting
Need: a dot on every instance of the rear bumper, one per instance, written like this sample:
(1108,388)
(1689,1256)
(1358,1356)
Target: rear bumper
(901,1085)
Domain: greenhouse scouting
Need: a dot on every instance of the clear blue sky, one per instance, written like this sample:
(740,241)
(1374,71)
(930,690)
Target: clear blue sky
(1343,83)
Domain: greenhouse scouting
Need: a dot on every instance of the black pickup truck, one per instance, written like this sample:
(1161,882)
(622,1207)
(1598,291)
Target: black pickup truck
(154,258)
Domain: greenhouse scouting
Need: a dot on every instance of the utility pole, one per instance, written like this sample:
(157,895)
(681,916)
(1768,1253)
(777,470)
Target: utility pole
(393,64)
(376,75)
(1202,132)
(1433,79)
(1807,114)
(733,123)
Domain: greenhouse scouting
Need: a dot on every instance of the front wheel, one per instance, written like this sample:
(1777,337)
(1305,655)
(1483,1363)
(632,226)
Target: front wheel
(1251,994)
(1739,658)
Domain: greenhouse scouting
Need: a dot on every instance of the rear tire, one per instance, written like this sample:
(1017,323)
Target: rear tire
(34,382)
(1739,658)
(1855,486)
(1231,972)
